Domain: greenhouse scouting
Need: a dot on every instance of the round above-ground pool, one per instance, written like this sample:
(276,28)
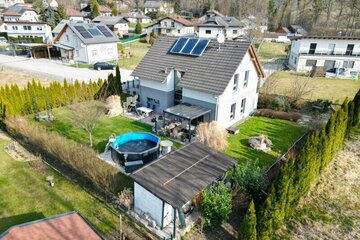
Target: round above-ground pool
(132,150)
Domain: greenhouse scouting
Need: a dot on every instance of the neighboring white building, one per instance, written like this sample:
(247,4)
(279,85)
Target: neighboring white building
(172,26)
(20,12)
(87,43)
(29,30)
(158,6)
(224,79)
(118,25)
(137,17)
(229,26)
(325,51)
(74,14)
(104,11)
(51,3)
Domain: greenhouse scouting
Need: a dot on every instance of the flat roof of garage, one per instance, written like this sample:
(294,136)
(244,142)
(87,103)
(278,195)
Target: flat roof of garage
(177,177)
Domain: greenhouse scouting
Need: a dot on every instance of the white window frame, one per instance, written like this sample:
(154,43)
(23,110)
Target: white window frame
(236,82)
(246,78)
(232,111)
(94,53)
(347,63)
(243,106)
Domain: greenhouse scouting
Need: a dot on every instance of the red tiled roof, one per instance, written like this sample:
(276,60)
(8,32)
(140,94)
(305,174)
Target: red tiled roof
(62,227)
(71,12)
(104,9)
(181,20)
(12,14)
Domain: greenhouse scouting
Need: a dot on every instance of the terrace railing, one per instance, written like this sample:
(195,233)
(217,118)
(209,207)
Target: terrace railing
(331,53)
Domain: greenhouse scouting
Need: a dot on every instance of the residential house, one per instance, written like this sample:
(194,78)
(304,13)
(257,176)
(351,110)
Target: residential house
(222,78)
(74,14)
(252,23)
(165,188)
(118,25)
(20,12)
(8,3)
(87,43)
(104,11)
(27,29)
(276,37)
(293,30)
(328,52)
(3,27)
(210,14)
(230,27)
(71,225)
(137,17)
(158,6)
(172,26)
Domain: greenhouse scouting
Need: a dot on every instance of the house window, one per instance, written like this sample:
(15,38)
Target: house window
(236,81)
(242,107)
(14,27)
(173,24)
(168,31)
(207,31)
(235,31)
(5,28)
(348,64)
(94,53)
(67,38)
(110,51)
(39,28)
(232,111)
(27,27)
(310,63)
(246,78)
(178,31)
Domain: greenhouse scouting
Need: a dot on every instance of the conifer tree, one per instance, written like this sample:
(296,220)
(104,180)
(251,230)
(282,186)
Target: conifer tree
(248,225)
(94,9)
(118,80)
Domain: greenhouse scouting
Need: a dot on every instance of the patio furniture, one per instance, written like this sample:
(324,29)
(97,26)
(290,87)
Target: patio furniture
(144,111)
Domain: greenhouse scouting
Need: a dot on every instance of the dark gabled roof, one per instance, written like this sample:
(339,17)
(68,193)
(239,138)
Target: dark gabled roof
(211,72)
(327,37)
(69,225)
(153,4)
(110,20)
(180,175)
(102,9)
(178,19)
(222,22)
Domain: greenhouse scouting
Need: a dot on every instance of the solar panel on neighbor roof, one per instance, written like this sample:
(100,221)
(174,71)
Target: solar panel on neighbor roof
(94,32)
(190,46)
(104,31)
(83,31)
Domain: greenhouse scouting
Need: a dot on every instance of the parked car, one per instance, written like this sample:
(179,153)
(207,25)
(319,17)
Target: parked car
(104,66)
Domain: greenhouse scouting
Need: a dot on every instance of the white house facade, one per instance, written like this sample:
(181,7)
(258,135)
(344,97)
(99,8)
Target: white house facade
(29,30)
(117,24)
(167,79)
(137,17)
(172,26)
(230,27)
(20,12)
(158,6)
(328,52)
(87,43)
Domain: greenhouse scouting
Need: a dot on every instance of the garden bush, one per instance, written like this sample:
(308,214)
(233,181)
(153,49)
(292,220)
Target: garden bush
(292,116)
(216,204)
(212,135)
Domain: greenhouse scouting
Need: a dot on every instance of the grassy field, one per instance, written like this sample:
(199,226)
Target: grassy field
(331,208)
(10,76)
(270,50)
(282,133)
(105,127)
(322,88)
(137,51)
(26,196)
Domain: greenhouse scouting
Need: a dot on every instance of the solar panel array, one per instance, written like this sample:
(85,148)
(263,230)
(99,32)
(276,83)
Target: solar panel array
(83,32)
(104,31)
(190,46)
(95,32)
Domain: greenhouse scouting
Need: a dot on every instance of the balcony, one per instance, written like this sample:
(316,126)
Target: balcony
(330,53)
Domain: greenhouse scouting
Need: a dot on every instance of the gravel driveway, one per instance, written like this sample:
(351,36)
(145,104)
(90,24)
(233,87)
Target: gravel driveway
(56,70)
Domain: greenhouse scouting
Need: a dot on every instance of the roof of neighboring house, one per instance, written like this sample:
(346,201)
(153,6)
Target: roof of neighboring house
(24,22)
(273,34)
(102,9)
(178,19)
(71,12)
(214,12)
(135,15)
(110,20)
(153,4)
(92,39)
(222,22)
(17,10)
(211,72)
(327,37)
(296,28)
(283,29)
(64,226)
(177,177)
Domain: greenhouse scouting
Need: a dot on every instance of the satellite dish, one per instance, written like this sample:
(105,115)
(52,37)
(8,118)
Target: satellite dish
(82,45)
(220,38)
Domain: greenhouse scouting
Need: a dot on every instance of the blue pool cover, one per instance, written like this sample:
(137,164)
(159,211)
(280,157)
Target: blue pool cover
(135,142)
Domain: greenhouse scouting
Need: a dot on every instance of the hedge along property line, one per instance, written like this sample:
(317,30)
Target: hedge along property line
(297,175)
(35,97)
(76,158)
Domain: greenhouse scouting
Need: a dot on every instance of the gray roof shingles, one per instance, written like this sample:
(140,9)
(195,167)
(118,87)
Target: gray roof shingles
(180,175)
(209,73)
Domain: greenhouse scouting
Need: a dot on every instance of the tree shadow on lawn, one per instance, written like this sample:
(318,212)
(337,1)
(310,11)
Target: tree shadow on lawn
(7,222)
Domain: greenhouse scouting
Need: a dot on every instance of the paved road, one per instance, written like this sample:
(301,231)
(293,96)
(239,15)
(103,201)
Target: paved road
(57,71)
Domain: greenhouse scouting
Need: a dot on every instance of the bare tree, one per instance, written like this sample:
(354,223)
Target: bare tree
(269,86)
(212,135)
(86,116)
(300,88)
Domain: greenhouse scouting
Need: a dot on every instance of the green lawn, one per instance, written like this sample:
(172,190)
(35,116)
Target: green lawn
(321,88)
(270,50)
(282,133)
(105,127)
(26,196)
(137,51)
